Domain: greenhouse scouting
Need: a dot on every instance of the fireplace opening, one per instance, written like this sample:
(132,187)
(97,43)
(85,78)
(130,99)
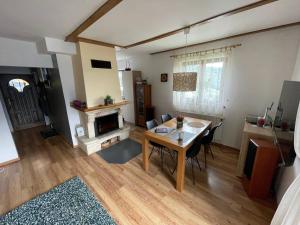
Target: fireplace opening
(106,124)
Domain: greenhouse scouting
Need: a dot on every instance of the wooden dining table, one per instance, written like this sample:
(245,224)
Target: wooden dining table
(192,128)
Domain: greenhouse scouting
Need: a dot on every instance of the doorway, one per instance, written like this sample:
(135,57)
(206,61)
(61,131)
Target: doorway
(21,99)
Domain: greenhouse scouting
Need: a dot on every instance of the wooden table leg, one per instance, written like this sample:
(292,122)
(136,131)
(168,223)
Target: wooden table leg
(180,171)
(146,154)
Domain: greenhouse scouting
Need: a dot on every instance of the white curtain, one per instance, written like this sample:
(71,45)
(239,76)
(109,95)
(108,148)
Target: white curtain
(208,97)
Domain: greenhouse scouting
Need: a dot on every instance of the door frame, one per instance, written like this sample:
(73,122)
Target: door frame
(6,103)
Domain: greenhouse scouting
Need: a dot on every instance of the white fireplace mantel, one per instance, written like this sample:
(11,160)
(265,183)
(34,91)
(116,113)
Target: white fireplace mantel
(90,143)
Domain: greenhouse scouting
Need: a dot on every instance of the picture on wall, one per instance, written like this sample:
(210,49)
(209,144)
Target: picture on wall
(164,77)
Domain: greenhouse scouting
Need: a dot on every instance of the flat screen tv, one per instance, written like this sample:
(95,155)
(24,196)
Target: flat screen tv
(285,119)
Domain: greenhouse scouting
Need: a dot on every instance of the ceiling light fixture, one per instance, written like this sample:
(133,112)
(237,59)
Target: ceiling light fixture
(185,81)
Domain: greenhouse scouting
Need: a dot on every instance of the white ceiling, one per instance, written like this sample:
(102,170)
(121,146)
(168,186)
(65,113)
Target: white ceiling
(135,20)
(274,14)
(34,19)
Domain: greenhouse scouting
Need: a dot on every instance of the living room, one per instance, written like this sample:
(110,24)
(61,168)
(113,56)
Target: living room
(120,117)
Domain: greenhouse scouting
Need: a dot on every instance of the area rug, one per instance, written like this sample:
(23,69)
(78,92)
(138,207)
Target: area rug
(121,152)
(68,203)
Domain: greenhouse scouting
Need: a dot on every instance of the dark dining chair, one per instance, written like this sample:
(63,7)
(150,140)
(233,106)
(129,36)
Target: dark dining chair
(191,157)
(193,151)
(155,146)
(165,118)
(207,139)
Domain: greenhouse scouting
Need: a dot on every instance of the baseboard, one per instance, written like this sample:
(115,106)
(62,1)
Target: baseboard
(225,146)
(9,162)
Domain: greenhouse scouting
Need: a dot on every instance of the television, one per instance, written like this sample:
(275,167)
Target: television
(285,119)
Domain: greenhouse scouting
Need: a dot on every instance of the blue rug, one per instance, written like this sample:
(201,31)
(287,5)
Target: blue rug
(69,203)
(121,152)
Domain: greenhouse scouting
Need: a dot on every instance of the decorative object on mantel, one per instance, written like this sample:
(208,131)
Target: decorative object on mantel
(108,100)
(185,81)
(179,120)
(164,77)
(79,104)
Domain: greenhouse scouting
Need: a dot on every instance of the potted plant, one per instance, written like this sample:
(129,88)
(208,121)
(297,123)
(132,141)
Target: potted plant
(108,100)
(179,120)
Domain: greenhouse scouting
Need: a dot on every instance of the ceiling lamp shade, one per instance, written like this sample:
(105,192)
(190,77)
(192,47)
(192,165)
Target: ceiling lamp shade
(185,81)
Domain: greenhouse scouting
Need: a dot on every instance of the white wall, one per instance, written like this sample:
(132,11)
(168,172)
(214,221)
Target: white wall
(296,73)
(56,46)
(66,118)
(22,53)
(8,149)
(128,110)
(65,68)
(6,112)
(257,71)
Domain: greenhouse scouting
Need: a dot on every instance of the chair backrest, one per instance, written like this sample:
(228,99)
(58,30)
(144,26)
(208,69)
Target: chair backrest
(207,139)
(194,150)
(151,124)
(166,117)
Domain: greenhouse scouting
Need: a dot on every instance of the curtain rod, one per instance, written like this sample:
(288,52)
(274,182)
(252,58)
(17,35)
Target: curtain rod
(207,51)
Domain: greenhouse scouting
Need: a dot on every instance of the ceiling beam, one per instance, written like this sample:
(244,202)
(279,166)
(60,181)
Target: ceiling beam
(100,12)
(228,37)
(91,41)
(205,21)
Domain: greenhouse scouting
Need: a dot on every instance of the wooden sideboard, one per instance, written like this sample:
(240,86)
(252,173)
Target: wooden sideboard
(261,164)
(251,131)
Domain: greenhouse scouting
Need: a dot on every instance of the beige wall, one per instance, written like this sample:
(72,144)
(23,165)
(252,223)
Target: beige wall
(78,75)
(98,82)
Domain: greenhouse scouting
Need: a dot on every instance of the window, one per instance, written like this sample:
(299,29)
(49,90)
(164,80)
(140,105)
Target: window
(208,97)
(18,84)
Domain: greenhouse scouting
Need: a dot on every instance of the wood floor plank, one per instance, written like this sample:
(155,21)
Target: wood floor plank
(131,195)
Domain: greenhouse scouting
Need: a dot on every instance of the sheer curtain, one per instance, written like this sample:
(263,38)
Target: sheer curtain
(208,97)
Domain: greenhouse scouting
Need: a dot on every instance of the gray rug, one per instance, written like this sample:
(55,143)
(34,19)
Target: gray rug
(121,152)
(68,203)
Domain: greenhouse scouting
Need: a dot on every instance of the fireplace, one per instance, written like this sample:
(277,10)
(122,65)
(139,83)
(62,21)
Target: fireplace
(102,124)
(107,123)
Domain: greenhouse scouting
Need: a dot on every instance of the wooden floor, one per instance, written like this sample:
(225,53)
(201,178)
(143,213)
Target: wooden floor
(129,194)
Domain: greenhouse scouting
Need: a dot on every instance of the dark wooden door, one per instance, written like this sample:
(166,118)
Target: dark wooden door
(21,100)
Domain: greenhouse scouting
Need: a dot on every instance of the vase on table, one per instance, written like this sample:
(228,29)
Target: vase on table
(179,120)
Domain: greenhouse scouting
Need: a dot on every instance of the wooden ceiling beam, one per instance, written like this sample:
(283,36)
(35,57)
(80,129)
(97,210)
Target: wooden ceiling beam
(228,37)
(205,21)
(91,41)
(100,12)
